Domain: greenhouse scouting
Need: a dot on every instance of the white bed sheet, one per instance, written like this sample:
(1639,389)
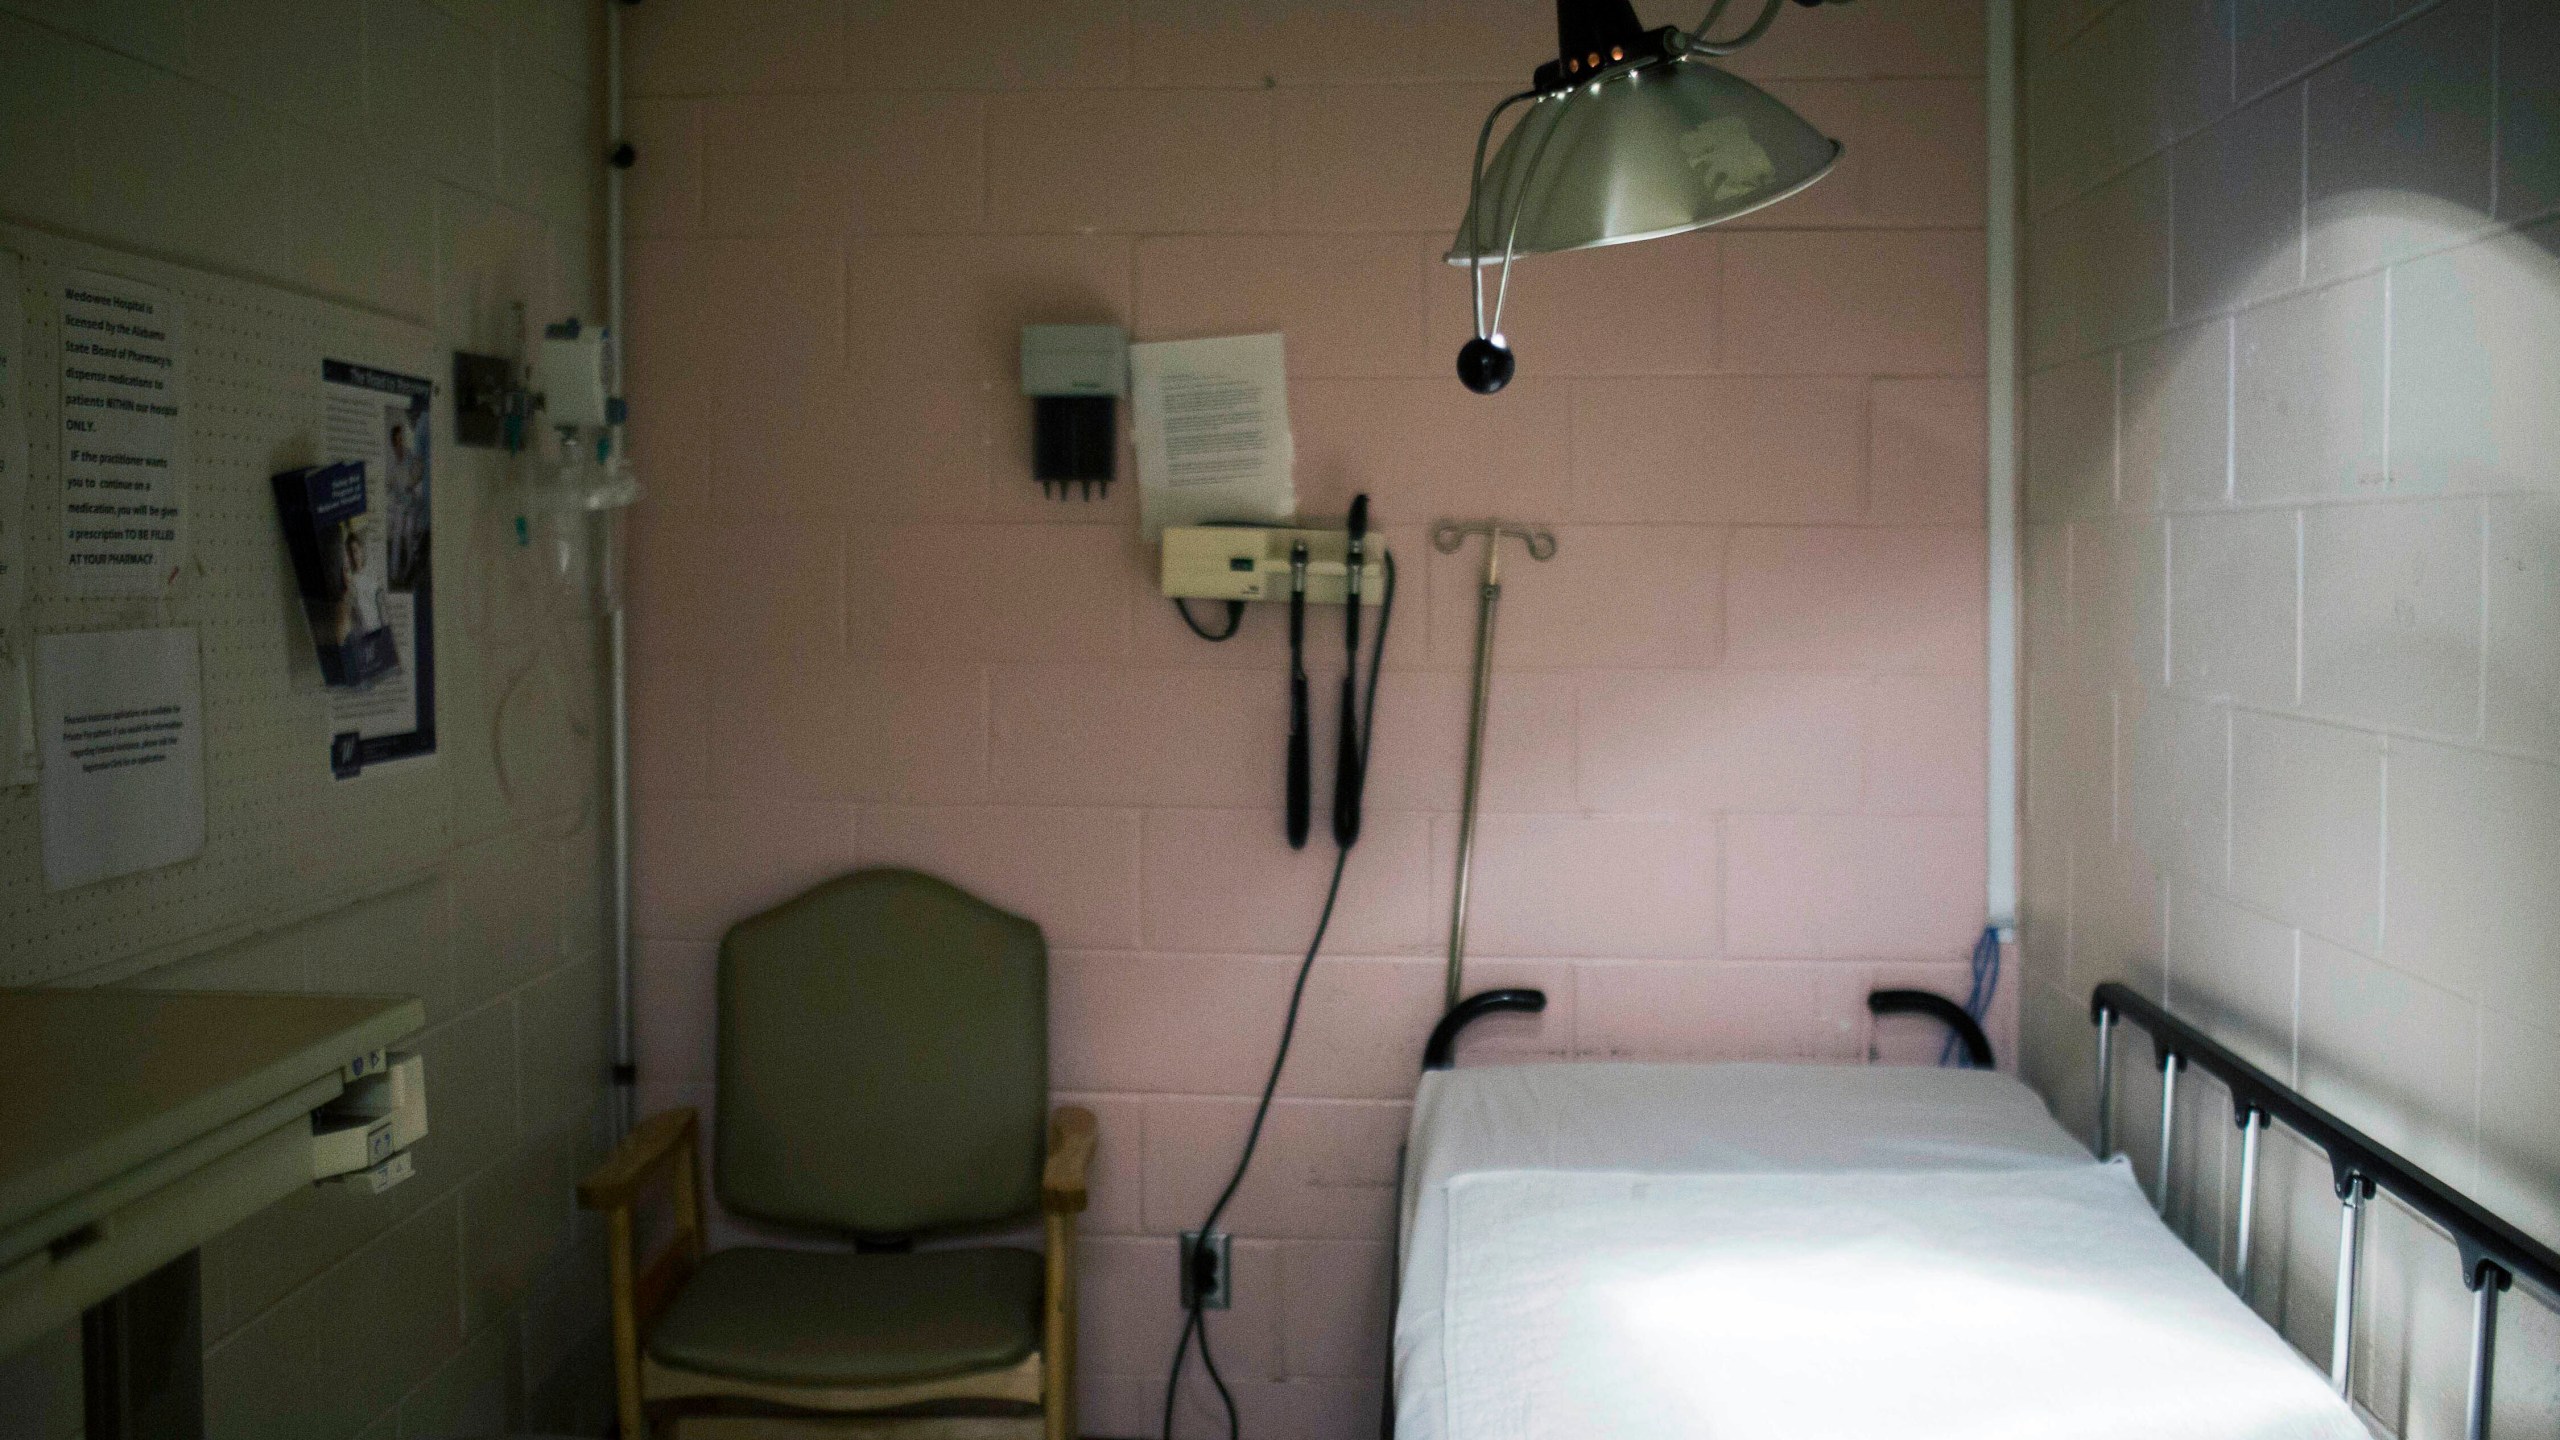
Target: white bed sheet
(1534,1137)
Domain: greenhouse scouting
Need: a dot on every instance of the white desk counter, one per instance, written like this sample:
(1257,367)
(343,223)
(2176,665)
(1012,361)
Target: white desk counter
(135,1125)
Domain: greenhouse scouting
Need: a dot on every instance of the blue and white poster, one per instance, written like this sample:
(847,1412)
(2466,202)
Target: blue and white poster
(380,419)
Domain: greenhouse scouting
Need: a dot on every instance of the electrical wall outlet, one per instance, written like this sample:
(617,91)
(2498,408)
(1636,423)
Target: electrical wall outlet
(1217,1287)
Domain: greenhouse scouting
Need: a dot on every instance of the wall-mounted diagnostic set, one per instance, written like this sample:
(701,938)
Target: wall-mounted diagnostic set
(1240,564)
(1253,562)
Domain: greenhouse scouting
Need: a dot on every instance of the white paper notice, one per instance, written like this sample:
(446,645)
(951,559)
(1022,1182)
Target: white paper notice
(17,709)
(13,447)
(123,517)
(1212,430)
(123,737)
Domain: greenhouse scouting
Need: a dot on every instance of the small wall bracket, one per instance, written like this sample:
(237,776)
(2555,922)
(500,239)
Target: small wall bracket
(485,393)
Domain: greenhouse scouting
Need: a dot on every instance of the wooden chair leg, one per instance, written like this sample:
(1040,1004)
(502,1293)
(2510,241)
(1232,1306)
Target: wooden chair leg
(661,1151)
(1058,1331)
(626,1326)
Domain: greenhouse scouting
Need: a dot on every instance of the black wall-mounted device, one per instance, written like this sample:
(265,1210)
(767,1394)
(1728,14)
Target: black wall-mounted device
(1075,376)
(1073,440)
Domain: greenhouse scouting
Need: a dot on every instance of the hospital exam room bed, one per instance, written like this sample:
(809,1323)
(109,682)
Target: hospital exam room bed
(1799,1252)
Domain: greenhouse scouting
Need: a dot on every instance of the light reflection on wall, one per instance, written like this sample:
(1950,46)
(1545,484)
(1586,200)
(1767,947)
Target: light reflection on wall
(2293,561)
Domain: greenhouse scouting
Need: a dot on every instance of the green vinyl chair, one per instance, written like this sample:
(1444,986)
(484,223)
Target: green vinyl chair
(883,1077)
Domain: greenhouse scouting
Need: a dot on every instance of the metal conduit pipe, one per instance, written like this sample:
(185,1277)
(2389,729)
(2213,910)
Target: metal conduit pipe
(618,159)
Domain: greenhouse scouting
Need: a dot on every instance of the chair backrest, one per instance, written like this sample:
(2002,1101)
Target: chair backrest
(883,1060)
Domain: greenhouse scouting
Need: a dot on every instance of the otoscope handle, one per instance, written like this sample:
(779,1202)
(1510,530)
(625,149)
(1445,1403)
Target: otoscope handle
(1301,765)
(1356,557)
(1301,734)
(1347,771)
(1348,764)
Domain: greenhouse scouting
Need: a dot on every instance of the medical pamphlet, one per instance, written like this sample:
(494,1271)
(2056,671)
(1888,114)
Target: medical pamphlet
(123,740)
(379,420)
(322,508)
(124,524)
(1212,429)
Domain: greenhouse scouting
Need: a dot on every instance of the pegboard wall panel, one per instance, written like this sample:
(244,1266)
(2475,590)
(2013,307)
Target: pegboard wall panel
(282,836)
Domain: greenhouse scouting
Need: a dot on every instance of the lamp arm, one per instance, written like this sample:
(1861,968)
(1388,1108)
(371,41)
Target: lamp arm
(1520,201)
(1475,190)
(1699,44)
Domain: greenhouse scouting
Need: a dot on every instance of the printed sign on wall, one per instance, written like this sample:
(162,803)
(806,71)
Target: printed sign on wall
(123,511)
(123,724)
(17,704)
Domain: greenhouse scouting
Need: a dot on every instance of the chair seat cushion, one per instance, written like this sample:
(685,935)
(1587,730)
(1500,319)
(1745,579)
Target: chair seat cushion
(794,1317)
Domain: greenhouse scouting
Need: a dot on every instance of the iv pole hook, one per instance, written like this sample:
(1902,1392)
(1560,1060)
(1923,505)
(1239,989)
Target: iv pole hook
(1448,537)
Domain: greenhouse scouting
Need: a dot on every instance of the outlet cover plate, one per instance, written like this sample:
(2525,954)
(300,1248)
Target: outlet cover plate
(1219,1295)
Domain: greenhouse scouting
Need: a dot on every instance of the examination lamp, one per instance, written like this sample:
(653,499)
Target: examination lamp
(1629,135)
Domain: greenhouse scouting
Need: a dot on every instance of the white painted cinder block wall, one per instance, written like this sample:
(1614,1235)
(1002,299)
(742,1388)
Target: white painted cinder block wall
(432,162)
(2293,610)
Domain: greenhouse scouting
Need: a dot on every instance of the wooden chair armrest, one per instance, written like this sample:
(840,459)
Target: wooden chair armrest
(659,1151)
(647,1156)
(1071,1140)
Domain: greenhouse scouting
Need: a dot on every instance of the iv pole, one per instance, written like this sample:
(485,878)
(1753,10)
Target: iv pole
(1448,537)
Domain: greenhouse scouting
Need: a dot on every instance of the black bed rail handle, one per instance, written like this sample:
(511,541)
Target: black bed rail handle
(2484,1239)
(1442,1049)
(1977,1046)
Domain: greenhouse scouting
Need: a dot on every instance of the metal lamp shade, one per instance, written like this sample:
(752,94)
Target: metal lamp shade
(1636,155)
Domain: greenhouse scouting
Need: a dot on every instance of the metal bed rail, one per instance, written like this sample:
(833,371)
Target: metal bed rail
(1442,1049)
(2495,1254)
(1440,1052)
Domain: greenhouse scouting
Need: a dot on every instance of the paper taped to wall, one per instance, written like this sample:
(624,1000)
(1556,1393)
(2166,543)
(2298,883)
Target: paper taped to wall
(123,506)
(123,738)
(1212,430)
(17,704)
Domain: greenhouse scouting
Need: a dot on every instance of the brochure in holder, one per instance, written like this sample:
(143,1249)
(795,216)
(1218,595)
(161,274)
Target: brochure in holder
(339,562)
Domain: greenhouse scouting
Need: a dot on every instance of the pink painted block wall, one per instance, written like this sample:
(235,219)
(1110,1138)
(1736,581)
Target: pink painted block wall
(1735,769)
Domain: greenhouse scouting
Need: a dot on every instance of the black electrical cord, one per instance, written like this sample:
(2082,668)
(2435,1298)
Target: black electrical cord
(1235,620)
(1195,1326)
